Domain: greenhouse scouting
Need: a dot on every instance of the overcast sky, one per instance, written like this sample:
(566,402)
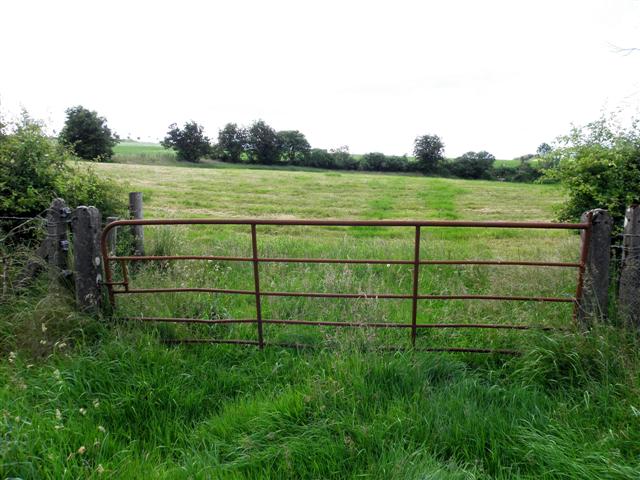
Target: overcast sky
(502,76)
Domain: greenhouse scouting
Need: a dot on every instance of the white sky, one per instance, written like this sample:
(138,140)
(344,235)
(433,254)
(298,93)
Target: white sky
(502,76)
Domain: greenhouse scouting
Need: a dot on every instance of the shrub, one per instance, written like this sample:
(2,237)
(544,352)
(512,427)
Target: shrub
(524,172)
(88,135)
(82,185)
(342,159)
(599,167)
(473,165)
(379,162)
(321,158)
(190,143)
(374,161)
(30,169)
(34,170)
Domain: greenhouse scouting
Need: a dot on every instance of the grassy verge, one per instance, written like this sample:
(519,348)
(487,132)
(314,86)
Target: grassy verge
(85,399)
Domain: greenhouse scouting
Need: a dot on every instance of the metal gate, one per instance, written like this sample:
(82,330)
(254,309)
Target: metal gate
(124,286)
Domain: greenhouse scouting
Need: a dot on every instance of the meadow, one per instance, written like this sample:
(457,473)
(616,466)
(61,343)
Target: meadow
(83,398)
(154,154)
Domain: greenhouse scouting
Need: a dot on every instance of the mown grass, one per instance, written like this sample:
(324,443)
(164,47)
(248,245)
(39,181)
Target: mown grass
(154,154)
(567,408)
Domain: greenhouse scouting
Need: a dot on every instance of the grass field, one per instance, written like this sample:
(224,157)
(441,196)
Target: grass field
(116,402)
(153,154)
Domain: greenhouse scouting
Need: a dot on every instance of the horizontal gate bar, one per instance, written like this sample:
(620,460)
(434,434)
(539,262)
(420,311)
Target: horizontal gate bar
(303,346)
(345,261)
(372,296)
(349,223)
(341,324)
(497,297)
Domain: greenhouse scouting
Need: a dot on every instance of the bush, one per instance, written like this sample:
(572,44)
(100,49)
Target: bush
(524,172)
(599,167)
(34,170)
(374,161)
(82,185)
(88,135)
(343,160)
(473,165)
(190,143)
(31,167)
(320,158)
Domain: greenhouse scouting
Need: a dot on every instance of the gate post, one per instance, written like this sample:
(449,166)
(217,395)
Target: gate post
(86,227)
(57,243)
(136,213)
(592,303)
(629,292)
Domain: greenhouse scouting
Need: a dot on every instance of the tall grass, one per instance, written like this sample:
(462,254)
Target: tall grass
(86,398)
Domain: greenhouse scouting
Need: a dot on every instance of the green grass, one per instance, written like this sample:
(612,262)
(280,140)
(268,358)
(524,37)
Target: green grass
(154,154)
(139,148)
(567,408)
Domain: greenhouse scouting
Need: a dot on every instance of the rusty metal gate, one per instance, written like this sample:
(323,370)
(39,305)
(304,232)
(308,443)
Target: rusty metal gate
(124,286)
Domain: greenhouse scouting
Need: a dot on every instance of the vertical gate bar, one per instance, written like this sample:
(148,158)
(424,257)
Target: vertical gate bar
(256,281)
(108,276)
(416,267)
(584,253)
(125,274)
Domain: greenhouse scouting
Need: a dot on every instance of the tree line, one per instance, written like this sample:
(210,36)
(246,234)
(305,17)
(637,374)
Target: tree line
(88,135)
(261,144)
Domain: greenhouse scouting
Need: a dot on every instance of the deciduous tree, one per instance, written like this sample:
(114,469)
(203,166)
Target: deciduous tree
(232,142)
(428,150)
(263,144)
(295,147)
(190,142)
(88,135)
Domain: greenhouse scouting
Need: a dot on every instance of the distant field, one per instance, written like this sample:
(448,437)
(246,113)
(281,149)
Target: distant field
(149,153)
(140,148)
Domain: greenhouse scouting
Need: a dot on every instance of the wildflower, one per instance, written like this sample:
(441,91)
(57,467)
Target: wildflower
(96,403)
(81,450)
(58,414)
(43,342)
(100,469)
(102,429)
(56,374)
(44,328)
(83,411)
(12,357)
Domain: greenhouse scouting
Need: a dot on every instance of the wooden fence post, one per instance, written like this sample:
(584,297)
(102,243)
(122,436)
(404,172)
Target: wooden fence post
(112,237)
(86,226)
(56,245)
(629,291)
(593,303)
(135,212)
